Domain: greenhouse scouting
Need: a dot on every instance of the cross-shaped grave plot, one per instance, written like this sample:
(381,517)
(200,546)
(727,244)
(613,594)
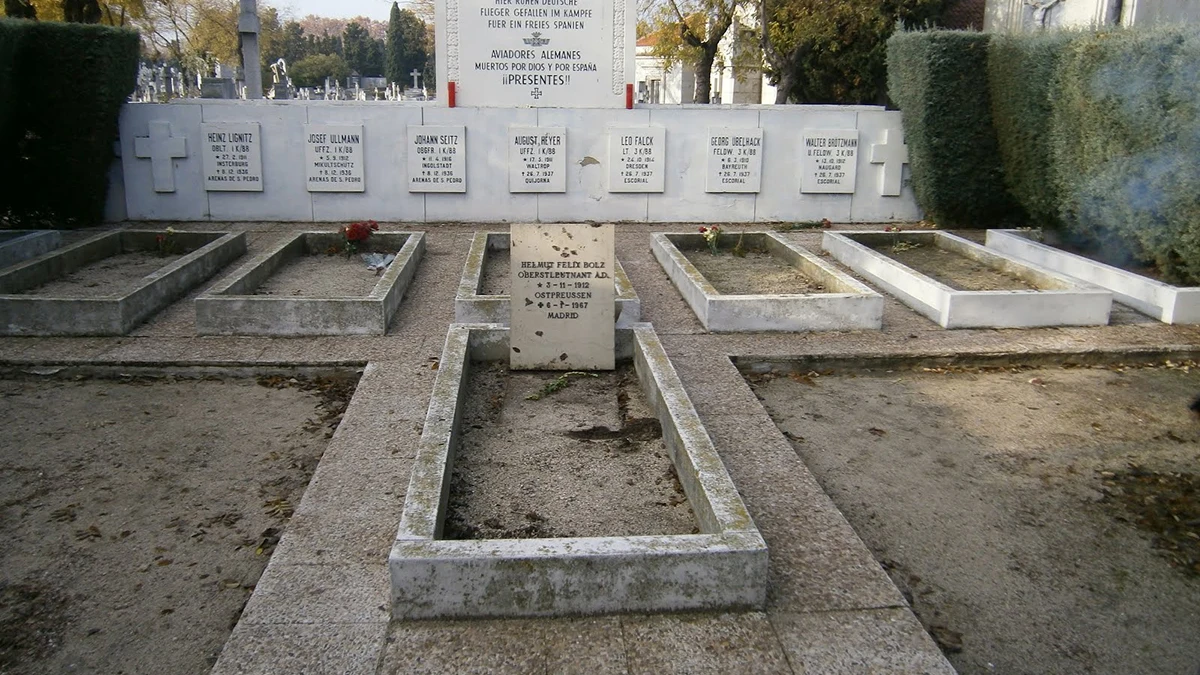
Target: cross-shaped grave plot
(161,148)
(892,153)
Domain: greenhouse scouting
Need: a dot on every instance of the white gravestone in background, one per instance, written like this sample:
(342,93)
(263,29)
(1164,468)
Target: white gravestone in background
(829,160)
(437,159)
(333,157)
(562,297)
(537,159)
(636,159)
(734,160)
(536,53)
(232,154)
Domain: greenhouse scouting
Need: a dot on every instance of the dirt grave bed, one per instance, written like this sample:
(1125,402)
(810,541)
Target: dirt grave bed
(756,273)
(114,275)
(139,513)
(321,275)
(1039,520)
(955,270)
(584,460)
(495,278)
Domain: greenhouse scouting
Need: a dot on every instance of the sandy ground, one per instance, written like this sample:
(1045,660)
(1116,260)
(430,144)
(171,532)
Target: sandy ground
(757,272)
(138,514)
(954,270)
(1000,504)
(114,275)
(495,277)
(583,460)
(321,276)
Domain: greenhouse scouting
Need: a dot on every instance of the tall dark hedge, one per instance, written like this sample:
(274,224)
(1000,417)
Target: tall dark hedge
(1125,133)
(939,81)
(72,80)
(1021,71)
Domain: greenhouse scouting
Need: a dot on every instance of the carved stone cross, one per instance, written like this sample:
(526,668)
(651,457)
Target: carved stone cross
(892,153)
(415,74)
(161,148)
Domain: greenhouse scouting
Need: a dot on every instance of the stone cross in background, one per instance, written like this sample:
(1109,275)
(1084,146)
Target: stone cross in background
(248,37)
(415,74)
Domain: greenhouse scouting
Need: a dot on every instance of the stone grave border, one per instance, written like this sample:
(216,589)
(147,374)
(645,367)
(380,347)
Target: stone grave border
(472,307)
(20,245)
(725,566)
(111,315)
(851,306)
(1070,303)
(1167,303)
(230,308)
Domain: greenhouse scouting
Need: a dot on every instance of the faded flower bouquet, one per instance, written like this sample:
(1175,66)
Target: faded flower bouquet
(712,236)
(357,233)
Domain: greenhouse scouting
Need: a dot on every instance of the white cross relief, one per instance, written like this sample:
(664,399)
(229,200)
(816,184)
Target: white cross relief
(415,74)
(892,153)
(161,148)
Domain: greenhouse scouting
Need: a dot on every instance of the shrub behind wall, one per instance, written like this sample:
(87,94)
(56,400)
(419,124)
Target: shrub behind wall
(67,82)
(939,81)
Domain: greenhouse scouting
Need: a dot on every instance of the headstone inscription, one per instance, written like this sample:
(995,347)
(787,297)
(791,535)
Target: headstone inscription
(437,159)
(537,159)
(829,160)
(232,154)
(734,160)
(537,53)
(636,159)
(563,316)
(334,157)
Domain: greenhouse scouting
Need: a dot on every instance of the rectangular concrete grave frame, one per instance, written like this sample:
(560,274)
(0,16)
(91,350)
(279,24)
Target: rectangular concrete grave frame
(734,160)
(1167,303)
(471,307)
(1067,302)
(722,567)
(334,156)
(850,306)
(113,315)
(562,291)
(19,245)
(231,308)
(437,158)
(232,153)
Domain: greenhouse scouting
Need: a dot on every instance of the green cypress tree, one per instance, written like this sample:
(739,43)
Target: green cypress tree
(393,60)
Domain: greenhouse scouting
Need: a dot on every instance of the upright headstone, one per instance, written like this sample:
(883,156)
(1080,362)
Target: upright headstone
(563,316)
(437,159)
(636,159)
(537,53)
(232,154)
(334,157)
(829,160)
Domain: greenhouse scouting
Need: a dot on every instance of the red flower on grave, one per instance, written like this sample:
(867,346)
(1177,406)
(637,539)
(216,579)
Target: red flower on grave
(355,233)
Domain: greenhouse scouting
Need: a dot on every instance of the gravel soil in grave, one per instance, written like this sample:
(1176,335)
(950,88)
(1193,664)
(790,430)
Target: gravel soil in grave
(321,276)
(114,275)
(582,460)
(758,273)
(955,270)
(1038,520)
(137,515)
(495,279)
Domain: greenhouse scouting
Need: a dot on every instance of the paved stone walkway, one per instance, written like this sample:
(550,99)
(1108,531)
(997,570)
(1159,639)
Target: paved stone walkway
(321,606)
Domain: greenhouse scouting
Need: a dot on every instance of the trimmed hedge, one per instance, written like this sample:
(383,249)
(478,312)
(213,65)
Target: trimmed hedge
(1021,70)
(1125,133)
(57,144)
(938,79)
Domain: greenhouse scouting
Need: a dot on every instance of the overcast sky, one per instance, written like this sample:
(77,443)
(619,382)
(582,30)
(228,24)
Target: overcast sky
(338,9)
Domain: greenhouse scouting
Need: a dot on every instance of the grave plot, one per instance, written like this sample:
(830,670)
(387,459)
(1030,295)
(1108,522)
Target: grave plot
(308,285)
(483,292)
(139,512)
(1163,301)
(1031,514)
(775,286)
(554,552)
(960,284)
(110,283)
(18,245)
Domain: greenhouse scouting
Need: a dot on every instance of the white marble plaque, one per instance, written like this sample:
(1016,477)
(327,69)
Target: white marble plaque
(537,159)
(562,297)
(437,159)
(734,160)
(829,160)
(636,159)
(333,155)
(232,154)
(539,53)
